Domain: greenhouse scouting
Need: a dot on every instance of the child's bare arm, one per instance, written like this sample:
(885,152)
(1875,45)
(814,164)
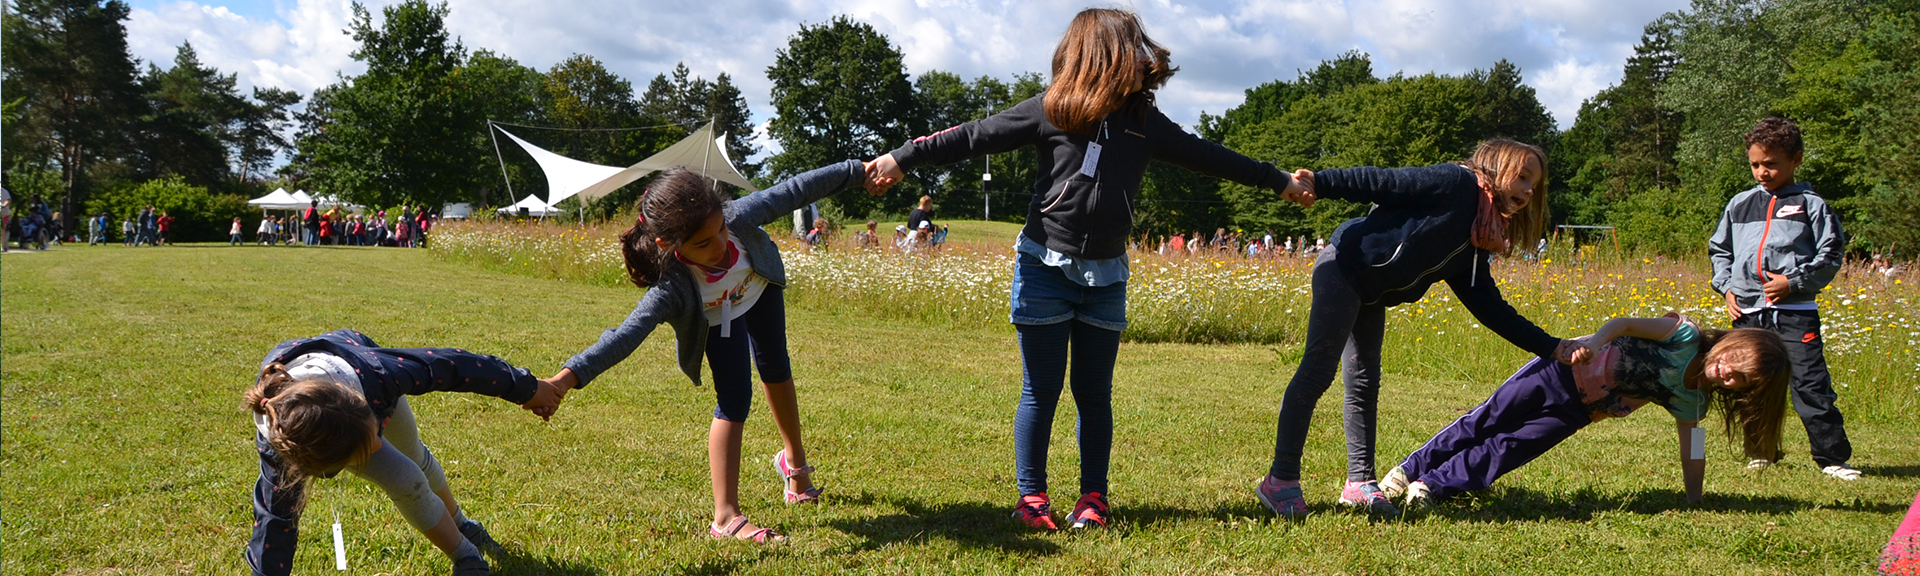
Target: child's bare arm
(1693,457)
(1647,328)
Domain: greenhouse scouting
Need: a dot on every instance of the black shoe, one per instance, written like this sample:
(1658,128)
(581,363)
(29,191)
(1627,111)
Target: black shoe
(478,535)
(472,566)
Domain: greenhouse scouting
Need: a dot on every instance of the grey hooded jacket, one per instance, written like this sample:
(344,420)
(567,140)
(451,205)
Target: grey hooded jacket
(1789,232)
(675,298)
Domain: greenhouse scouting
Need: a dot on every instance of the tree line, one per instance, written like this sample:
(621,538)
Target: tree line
(1655,155)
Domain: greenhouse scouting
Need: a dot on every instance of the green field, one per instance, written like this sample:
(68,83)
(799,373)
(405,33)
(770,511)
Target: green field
(124,450)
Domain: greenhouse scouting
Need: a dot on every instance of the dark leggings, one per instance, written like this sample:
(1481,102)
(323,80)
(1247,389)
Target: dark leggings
(1340,330)
(1043,355)
(760,333)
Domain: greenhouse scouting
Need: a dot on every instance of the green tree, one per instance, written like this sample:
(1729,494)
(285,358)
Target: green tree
(581,94)
(192,112)
(505,91)
(840,91)
(687,102)
(199,215)
(1623,140)
(258,136)
(404,130)
(66,62)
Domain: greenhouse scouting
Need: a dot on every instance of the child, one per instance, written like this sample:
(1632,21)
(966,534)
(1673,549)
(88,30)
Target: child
(338,401)
(1625,364)
(869,239)
(264,234)
(1093,131)
(233,233)
(818,235)
(127,234)
(1432,223)
(1776,246)
(714,275)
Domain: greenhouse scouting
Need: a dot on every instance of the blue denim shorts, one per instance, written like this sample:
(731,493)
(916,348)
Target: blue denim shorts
(1044,295)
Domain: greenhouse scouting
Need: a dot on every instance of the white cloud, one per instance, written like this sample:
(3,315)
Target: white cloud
(1568,49)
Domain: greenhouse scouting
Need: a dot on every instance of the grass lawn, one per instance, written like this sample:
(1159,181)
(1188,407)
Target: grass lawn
(123,447)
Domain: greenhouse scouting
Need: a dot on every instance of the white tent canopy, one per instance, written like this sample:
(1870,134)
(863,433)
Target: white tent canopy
(279,199)
(533,205)
(700,151)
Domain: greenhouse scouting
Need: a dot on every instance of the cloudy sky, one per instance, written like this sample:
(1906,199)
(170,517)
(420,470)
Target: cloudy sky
(1567,49)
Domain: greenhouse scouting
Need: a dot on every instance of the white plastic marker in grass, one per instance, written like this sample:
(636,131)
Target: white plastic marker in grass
(1698,451)
(339,544)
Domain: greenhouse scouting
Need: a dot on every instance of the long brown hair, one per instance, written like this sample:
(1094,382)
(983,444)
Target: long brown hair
(316,426)
(1096,64)
(1758,409)
(675,206)
(1498,162)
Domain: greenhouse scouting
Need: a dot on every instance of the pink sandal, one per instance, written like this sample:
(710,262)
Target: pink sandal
(732,531)
(812,495)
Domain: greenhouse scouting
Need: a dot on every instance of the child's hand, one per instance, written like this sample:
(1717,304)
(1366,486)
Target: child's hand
(546,400)
(1776,287)
(1733,307)
(1571,352)
(883,173)
(1299,188)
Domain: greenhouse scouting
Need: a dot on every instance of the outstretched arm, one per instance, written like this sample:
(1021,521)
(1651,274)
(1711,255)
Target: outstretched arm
(1693,457)
(276,525)
(778,201)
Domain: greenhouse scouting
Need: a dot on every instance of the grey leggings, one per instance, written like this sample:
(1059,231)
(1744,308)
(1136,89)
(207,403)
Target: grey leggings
(406,471)
(1341,332)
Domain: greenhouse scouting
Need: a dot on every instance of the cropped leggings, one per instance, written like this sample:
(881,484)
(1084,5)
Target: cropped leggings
(757,339)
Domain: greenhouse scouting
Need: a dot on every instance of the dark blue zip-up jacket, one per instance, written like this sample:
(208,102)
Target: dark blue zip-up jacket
(385,375)
(1418,233)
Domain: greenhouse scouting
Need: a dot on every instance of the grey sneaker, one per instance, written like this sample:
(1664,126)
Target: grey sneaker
(1841,471)
(1758,464)
(472,566)
(1395,484)
(1417,496)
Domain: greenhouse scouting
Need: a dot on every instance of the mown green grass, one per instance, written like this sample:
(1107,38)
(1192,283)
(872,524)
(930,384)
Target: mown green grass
(123,448)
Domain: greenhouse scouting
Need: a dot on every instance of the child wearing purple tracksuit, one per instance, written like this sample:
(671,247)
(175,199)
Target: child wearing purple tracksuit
(1626,364)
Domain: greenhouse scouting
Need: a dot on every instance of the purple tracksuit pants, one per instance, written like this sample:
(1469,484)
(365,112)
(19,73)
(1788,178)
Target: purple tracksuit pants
(1536,409)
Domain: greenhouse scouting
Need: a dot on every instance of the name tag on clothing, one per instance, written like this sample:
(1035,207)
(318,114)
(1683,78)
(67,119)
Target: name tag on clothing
(1092,160)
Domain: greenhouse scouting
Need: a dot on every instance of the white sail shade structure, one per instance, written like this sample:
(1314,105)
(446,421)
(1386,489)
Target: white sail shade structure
(701,151)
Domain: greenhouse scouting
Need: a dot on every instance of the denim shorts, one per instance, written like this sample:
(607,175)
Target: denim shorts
(1044,295)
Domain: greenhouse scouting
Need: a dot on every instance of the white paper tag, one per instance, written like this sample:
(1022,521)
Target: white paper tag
(339,547)
(1698,450)
(1092,160)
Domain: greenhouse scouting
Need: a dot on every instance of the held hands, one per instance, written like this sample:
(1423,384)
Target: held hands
(1299,188)
(546,400)
(883,173)
(1571,352)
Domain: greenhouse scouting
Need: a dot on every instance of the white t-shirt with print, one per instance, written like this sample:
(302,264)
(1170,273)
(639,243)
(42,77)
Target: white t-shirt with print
(733,295)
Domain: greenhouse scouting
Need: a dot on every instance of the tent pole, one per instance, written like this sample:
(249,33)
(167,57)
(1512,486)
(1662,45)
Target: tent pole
(501,159)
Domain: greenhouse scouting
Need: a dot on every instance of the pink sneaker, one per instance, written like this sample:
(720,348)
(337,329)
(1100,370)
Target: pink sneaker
(1368,495)
(1283,497)
(1035,511)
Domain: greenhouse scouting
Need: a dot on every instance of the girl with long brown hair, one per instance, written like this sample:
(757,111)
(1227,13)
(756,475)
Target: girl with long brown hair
(336,402)
(712,273)
(1626,364)
(1428,224)
(1093,131)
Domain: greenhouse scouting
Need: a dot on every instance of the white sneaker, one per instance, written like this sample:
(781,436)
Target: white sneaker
(1841,471)
(1395,483)
(1758,464)
(1417,496)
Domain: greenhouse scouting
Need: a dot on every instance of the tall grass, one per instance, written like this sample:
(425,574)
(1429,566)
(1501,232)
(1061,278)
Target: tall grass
(1872,325)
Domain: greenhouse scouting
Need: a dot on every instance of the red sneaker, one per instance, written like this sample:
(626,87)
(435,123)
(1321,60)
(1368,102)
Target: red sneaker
(1035,511)
(1090,511)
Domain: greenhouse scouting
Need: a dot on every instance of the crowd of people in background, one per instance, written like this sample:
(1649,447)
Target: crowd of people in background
(36,226)
(1230,242)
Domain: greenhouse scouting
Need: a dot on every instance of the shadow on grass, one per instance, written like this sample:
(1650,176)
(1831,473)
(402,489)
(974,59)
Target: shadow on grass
(978,525)
(1521,504)
(1908,471)
(513,561)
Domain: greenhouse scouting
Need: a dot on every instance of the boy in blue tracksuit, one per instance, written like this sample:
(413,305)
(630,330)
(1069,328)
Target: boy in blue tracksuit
(1776,246)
